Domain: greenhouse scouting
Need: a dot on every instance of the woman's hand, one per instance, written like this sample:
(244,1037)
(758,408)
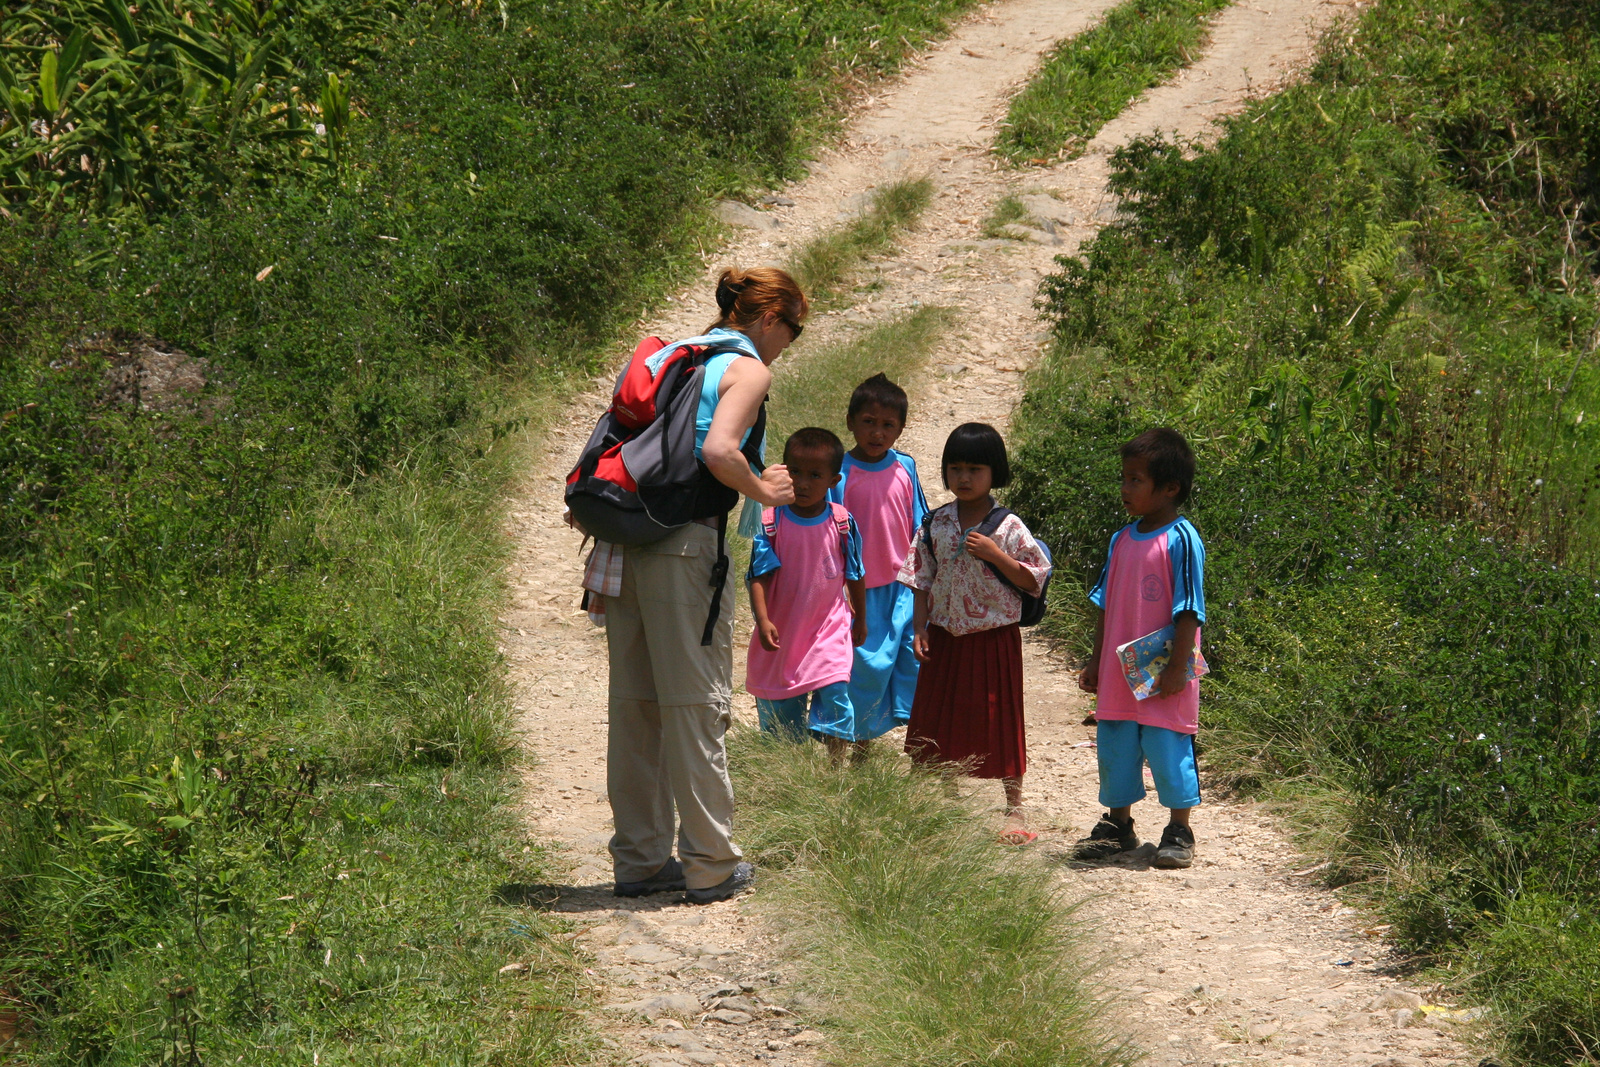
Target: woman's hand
(777,487)
(919,645)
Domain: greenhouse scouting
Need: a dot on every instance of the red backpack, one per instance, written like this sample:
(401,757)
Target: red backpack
(638,479)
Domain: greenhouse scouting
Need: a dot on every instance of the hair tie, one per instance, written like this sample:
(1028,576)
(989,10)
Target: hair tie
(728,293)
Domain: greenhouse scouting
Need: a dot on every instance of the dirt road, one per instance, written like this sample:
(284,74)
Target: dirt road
(1236,959)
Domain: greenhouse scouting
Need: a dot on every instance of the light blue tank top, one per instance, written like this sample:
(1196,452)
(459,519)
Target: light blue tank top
(711,385)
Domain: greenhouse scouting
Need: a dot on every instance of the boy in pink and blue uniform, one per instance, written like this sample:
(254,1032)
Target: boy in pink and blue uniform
(1153,578)
(808,598)
(881,490)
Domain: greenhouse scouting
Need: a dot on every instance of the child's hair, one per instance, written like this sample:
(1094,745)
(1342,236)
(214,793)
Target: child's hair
(1166,456)
(878,390)
(816,439)
(743,296)
(977,443)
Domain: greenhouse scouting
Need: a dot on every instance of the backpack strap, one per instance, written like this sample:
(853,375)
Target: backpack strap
(719,579)
(769,522)
(841,518)
(988,527)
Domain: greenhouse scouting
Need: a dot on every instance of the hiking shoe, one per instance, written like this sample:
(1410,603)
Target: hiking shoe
(669,879)
(1176,848)
(742,878)
(1108,838)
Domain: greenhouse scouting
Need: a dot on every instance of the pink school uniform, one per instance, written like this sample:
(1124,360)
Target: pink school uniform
(1149,578)
(806,601)
(885,498)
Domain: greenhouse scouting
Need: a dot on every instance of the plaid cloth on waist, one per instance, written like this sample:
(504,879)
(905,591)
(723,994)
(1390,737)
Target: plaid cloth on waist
(603,573)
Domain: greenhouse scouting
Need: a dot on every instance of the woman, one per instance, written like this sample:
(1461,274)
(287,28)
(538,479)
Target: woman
(671,694)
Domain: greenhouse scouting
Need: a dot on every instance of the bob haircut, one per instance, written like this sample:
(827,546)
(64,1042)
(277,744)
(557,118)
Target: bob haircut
(1167,457)
(980,444)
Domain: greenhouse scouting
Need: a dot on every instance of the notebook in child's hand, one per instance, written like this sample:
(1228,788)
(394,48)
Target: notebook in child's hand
(1144,658)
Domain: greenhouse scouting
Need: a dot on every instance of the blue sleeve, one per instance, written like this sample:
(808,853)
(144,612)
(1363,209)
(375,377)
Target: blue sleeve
(1188,570)
(763,557)
(919,503)
(1097,595)
(853,567)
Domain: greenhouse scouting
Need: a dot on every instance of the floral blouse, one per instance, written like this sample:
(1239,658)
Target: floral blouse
(964,596)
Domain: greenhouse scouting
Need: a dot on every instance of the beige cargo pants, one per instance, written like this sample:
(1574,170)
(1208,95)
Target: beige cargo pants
(670,705)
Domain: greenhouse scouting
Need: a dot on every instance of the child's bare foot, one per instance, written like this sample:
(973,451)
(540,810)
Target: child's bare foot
(838,748)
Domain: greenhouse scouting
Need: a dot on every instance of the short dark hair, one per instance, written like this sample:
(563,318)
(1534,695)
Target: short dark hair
(977,443)
(1166,456)
(816,439)
(878,390)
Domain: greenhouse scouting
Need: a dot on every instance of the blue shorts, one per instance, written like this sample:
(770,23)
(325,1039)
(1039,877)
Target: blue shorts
(1124,747)
(831,714)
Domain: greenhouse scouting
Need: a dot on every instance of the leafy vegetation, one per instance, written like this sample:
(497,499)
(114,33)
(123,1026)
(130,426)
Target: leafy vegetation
(1371,308)
(1089,79)
(259,388)
(932,937)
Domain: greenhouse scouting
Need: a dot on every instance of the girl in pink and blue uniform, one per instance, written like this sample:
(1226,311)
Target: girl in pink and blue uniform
(1154,577)
(880,489)
(808,598)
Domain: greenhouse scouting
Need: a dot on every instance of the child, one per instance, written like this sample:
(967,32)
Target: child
(1152,578)
(803,560)
(881,491)
(969,698)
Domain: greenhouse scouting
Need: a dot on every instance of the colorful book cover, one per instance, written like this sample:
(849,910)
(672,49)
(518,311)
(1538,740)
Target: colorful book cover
(1144,658)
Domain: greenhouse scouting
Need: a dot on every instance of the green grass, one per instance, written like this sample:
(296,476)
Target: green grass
(1008,210)
(1363,308)
(812,387)
(824,266)
(1088,79)
(937,946)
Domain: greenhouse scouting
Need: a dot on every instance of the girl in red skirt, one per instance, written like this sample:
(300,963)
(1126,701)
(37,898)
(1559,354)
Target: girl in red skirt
(968,705)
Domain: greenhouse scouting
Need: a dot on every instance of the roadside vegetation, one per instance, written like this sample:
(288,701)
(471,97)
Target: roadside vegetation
(279,293)
(1089,79)
(930,939)
(1372,307)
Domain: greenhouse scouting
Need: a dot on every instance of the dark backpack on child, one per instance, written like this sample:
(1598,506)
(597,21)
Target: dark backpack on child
(638,479)
(1032,606)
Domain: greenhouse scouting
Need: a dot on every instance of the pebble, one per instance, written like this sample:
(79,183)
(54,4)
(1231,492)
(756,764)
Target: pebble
(666,1004)
(514,968)
(736,214)
(731,1018)
(808,1037)
(738,1004)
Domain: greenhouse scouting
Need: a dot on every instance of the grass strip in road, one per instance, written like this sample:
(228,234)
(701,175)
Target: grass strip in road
(935,945)
(1089,79)
(812,388)
(823,266)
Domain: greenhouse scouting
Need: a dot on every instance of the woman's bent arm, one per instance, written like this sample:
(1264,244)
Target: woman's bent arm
(745,386)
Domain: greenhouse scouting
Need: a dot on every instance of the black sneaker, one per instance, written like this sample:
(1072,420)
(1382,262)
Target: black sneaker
(1176,848)
(1108,838)
(742,878)
(669,879)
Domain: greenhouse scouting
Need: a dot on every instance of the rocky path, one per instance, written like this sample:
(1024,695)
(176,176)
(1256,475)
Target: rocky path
(1236,959)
